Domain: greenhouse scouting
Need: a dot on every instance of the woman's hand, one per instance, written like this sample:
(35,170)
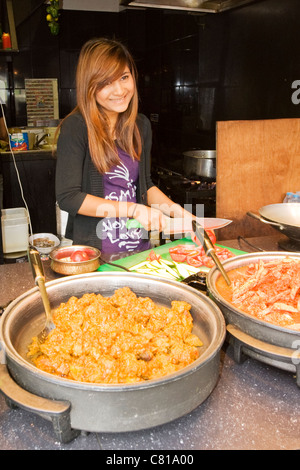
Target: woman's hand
(152,219)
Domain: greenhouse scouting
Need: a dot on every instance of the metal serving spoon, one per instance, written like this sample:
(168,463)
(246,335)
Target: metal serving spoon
(39,277)
(205,241)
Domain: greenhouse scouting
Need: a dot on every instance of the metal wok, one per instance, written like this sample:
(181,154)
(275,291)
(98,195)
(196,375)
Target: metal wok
(78,406)
(283,217)
(272,344)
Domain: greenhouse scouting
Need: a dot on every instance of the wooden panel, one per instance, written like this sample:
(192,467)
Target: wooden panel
(257,163)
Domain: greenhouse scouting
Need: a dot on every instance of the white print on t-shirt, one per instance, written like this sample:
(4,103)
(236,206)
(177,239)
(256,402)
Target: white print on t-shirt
(122,172)
(115,230)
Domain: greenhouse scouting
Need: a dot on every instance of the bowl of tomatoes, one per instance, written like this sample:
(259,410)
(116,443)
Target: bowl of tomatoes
(75,259)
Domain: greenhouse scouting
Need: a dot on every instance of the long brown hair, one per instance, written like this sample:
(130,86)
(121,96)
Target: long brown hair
(102,61)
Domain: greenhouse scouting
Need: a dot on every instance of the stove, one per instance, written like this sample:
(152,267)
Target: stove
(183,190)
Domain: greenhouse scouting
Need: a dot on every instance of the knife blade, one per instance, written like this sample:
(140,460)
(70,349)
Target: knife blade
(184,225)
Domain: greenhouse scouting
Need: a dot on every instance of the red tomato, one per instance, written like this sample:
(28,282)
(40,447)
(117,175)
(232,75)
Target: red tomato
(223,253)
(194,261)
(185,249)
(212,236)
(79,256)
(153,256)
(208,261)
(178,257)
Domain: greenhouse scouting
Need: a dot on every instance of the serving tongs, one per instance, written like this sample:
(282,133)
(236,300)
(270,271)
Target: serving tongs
(208,246)
(39,278)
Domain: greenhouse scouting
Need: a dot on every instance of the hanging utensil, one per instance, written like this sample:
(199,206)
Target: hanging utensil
(208,246)
(39,277)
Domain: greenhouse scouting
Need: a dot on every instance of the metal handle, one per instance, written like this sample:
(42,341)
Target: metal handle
(57,411)
(244,343)
(36,264)
(39,278)
(262,219)
(208,246)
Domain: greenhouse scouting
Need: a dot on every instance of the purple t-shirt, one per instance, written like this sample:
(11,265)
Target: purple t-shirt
(120,184)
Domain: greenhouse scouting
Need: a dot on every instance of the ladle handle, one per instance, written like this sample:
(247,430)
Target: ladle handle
(208,246)
(39,277)
(36,264)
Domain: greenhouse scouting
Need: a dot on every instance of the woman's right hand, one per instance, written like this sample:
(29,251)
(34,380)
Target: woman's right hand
(151,218)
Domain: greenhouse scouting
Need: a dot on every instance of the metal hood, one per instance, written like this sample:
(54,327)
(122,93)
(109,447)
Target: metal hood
(205,6)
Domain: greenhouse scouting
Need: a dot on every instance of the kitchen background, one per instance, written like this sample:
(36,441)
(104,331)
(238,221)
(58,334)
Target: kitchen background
(194,69)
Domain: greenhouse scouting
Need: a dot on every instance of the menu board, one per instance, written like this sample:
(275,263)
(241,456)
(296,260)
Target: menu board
(41,101)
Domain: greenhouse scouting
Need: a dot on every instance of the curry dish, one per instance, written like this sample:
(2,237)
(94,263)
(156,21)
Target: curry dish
(269,291)
(119,339)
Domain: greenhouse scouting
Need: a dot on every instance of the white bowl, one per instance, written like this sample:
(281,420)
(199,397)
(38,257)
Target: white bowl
(45,250)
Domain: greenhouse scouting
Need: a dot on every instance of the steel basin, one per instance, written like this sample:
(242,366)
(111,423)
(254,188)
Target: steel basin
(259,329)
(113,408)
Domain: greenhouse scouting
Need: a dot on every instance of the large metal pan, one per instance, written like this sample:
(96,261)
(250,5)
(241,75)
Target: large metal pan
(284,217)
(108,408)
(269,343)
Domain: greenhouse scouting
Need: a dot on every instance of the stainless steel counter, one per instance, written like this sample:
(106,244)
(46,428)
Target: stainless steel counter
(253,407)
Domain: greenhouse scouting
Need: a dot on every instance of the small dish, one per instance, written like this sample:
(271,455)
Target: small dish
(44,242)
(64,259)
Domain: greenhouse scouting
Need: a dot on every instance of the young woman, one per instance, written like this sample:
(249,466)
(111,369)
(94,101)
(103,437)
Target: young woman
(103,156)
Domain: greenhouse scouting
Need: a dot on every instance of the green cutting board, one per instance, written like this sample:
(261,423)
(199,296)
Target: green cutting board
(162,250)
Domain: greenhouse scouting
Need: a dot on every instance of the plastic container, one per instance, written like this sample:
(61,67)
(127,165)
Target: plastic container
(296,198)
(19,141)
(292,197)
(14,225)
(288,197)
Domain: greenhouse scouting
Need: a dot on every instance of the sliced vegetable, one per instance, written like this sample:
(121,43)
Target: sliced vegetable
(195,256)
(211,235)
(194,260)
(178,257)
(185,260)
(152,256)
(164,268)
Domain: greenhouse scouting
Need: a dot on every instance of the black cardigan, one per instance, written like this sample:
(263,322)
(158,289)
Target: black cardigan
(76,176)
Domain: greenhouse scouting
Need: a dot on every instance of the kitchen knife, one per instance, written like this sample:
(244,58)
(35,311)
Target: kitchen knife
(208,246)
(184,225)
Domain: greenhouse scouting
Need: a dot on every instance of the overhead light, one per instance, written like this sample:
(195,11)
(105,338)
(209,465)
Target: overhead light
(93,5)
(208,6)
